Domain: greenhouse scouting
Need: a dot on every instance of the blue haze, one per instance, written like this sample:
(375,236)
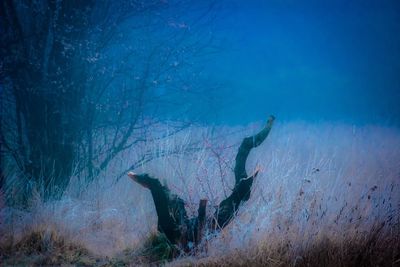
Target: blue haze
(309,60)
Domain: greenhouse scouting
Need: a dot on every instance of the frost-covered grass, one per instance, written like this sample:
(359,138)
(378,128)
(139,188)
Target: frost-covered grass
(328,194)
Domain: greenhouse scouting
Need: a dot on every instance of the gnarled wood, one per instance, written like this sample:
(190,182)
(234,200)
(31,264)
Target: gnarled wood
(243,182)
(170,208)
(172,217)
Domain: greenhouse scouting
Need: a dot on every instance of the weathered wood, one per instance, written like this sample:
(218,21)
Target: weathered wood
(172,217)
(243,182)
(170,208)
(201,220)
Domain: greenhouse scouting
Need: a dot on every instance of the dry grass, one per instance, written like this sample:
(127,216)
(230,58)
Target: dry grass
(328,195)
(375,248)
(44,248)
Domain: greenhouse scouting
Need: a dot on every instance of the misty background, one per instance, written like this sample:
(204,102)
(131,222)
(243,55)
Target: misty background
(82,82)
(308,60)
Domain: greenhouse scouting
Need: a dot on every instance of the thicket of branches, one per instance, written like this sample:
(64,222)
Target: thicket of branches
(82,81)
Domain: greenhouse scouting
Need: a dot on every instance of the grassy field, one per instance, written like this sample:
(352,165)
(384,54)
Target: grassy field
(327,195)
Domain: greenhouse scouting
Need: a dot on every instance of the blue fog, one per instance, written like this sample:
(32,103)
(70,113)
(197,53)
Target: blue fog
(93,99)
(307,60)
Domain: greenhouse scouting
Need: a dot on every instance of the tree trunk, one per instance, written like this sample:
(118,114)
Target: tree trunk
(172,217)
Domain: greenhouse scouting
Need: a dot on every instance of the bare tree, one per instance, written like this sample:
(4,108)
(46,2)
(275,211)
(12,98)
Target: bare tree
(154,76)
(172,217)
(82,78)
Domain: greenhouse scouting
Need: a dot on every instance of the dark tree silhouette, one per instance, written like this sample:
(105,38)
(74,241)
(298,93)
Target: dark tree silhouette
(43,131)
(172,217)
(83,81)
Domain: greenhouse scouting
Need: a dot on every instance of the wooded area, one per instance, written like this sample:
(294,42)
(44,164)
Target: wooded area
(83,81)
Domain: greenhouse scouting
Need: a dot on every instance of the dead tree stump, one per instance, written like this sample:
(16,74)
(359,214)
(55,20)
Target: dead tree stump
(172,217)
